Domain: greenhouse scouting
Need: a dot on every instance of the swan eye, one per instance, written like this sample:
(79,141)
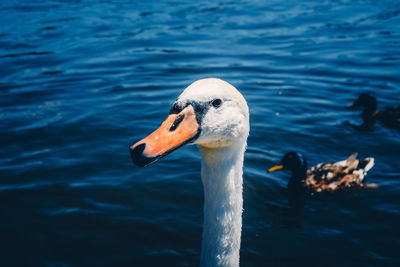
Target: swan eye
(216,103)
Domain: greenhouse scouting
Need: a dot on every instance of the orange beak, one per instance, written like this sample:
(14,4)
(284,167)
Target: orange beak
(276,168)
(176,131)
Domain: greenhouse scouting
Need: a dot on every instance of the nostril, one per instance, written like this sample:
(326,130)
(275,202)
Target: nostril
(176,123)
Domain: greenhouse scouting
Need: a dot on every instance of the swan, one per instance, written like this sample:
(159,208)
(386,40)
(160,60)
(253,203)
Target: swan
(212,114)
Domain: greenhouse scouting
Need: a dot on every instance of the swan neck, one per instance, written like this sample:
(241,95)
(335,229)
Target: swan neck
(222,171)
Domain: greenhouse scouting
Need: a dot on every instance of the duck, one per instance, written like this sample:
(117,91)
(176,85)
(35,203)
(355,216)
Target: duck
(389,117)
(325,177)
(212,114)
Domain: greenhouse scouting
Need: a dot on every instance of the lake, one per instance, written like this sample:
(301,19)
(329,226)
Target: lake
(81,81)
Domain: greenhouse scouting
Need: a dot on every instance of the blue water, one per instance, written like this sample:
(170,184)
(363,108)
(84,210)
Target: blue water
(81,81)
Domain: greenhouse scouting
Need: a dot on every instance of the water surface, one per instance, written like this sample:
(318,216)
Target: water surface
(80,81)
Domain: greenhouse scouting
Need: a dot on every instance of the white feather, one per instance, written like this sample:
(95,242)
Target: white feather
(222,143)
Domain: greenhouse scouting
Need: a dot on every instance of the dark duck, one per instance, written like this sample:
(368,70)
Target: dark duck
(389,117)
(332,176)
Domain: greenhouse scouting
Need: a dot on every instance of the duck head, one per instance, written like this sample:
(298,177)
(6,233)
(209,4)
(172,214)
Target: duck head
(365,101)
(292,161)
(210,113)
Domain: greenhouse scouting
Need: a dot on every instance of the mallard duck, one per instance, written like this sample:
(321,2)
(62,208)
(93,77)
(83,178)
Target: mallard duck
(389,117)
(344,174)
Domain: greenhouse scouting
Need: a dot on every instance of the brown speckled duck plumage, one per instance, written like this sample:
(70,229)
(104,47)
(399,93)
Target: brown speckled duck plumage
(339,175)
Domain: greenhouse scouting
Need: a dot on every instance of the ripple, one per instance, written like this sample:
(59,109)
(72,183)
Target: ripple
(33,53)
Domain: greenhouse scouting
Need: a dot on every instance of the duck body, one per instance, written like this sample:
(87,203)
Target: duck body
(389,117)
(212,114)
(341,175)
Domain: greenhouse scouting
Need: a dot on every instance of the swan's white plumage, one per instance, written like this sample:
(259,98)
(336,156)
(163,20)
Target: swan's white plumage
(222,143)
(220,126)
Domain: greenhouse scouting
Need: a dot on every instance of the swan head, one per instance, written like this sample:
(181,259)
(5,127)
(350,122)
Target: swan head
(210,113)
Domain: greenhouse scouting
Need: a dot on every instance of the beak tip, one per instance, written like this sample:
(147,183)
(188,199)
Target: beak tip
(351,106)
(138,157)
